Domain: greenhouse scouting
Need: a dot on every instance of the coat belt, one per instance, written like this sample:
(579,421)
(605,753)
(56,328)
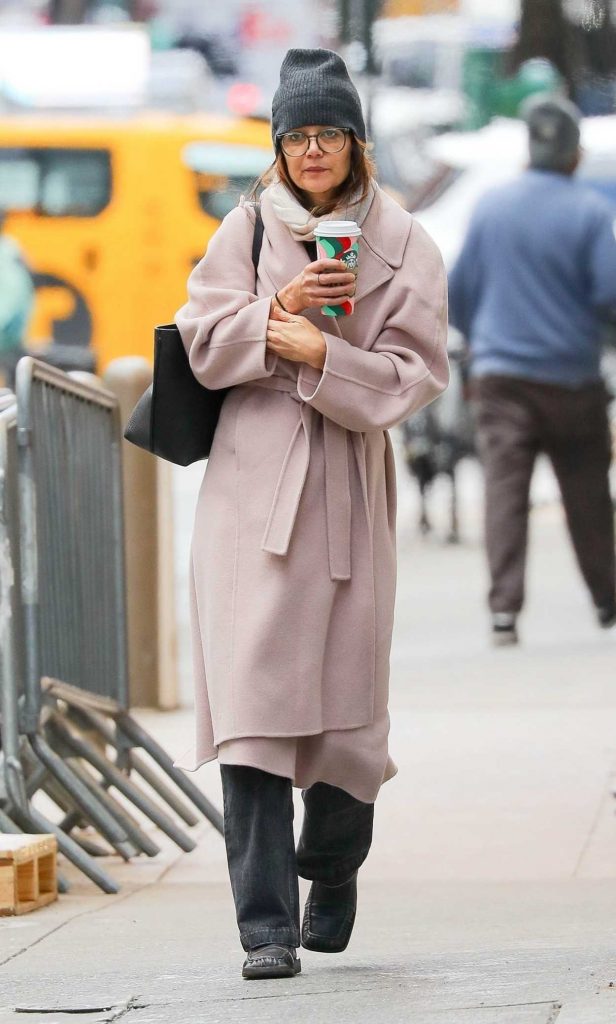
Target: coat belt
(292,478)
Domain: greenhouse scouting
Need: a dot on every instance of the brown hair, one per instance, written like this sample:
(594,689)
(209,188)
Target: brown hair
(356,184)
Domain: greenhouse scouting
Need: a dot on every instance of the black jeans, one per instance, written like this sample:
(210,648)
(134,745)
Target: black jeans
(263,863)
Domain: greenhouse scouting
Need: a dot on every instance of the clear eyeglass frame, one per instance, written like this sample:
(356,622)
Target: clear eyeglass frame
(325,144)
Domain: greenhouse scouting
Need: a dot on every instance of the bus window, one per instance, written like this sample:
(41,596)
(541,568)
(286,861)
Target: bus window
(224,172)
(55,182)
(19,180)
(75,183)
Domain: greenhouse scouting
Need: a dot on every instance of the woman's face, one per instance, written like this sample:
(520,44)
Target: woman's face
(317,173)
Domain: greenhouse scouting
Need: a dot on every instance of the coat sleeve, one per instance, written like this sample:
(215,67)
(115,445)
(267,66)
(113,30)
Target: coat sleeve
(223,325)
(406,367)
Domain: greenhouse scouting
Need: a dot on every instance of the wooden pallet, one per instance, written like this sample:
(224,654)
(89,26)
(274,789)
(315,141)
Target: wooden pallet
(28,872)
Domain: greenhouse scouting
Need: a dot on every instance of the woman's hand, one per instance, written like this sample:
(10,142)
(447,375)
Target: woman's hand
(294,337)
(318,285)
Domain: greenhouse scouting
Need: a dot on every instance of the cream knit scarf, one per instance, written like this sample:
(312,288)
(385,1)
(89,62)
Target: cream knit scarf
(301,223)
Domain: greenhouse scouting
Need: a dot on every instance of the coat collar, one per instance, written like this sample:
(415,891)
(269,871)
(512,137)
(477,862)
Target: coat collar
(385,233)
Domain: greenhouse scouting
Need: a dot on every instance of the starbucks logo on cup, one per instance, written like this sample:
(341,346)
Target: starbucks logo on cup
(350,259)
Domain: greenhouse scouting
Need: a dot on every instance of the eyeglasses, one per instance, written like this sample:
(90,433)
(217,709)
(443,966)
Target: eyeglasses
(329,140)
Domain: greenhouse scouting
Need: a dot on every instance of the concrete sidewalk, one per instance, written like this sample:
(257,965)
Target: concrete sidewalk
(490,893)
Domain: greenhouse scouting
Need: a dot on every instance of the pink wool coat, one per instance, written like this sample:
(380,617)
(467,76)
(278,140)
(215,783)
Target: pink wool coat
(293,550)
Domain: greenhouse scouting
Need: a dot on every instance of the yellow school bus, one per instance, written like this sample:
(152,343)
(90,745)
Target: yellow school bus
(112,214)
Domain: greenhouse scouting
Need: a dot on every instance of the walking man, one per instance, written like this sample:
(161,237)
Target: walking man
(534,281)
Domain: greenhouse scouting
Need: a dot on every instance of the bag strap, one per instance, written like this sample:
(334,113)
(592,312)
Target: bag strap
(257,238)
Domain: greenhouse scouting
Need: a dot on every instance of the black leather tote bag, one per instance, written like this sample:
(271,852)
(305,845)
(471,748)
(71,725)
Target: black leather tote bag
(176,417)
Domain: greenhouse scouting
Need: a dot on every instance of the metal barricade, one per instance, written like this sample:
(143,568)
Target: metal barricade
(63,457)
(16,812)
(71,517)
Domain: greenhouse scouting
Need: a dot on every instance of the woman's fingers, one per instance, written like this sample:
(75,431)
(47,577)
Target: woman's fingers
(333,268)
(276,335)
(329,279)
(279,325)
(319,284)
(323,294)
(324,265)
(281,316)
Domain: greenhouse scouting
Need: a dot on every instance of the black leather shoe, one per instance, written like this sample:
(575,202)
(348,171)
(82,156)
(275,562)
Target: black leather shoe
(271,961)
(329,916)
(606,615)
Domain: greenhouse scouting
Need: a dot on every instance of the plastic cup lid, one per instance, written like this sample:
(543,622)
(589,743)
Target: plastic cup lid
(338,229)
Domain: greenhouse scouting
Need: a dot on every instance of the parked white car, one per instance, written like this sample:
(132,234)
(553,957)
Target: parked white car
(481,160)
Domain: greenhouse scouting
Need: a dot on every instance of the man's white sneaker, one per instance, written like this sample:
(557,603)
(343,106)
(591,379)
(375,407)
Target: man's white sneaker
(504,631)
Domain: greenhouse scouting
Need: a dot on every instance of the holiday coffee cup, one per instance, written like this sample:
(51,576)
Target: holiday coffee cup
(339,240)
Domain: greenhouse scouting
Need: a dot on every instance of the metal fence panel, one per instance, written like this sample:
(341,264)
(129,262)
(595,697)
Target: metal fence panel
(63,616)
(69,440)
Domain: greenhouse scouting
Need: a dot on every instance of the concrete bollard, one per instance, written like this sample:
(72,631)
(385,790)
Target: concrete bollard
(87,378)
(148,518)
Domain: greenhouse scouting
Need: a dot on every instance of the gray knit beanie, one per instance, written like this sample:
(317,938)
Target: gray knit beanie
(553,132)
(315,88)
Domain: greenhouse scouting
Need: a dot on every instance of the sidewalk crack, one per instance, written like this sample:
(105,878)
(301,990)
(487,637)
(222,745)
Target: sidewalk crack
(62,1009)
(131,1004)
(117,1010)
(607,796)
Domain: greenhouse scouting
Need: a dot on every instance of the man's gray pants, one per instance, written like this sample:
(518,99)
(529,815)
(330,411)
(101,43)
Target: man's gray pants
(516,419)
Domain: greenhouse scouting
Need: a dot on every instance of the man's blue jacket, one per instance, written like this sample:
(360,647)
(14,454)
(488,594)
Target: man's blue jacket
(535,278)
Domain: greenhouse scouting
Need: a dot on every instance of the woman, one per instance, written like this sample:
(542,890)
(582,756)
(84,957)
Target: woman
(293,551)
